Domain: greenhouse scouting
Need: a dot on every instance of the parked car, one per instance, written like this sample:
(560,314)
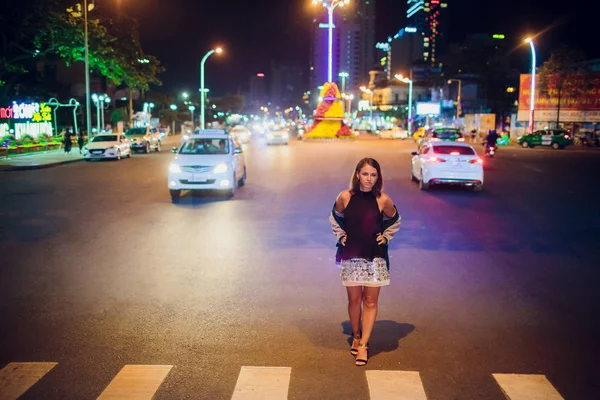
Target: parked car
(555,138)
(106,146)
(446,162)
(144,138)
(208,160)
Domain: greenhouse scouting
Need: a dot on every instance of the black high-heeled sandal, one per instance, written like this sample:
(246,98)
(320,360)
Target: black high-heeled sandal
(354,350)
(361,362)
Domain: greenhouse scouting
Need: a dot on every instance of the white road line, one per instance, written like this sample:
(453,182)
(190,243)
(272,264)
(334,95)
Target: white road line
(262,383)
(396,385)
(17,378)
(526,387)
(136,382)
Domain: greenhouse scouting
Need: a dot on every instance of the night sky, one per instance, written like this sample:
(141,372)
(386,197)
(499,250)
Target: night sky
(254,32)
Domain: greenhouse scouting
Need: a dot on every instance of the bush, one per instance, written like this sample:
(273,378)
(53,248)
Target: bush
(25,139)
(7,140)
(44,137)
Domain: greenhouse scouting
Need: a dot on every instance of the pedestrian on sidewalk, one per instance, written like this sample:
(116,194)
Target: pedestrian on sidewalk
(80,142)
(364,220)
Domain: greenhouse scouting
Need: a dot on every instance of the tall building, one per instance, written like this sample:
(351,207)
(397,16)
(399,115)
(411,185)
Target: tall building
(257,97)
(288,83)
(427,18)
(353,44)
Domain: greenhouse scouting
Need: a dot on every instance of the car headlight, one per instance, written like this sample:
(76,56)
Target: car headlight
(186,137)
(174,168)
(219,169)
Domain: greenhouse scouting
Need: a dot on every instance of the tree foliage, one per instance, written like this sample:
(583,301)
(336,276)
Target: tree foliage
(50,29)
(554,72)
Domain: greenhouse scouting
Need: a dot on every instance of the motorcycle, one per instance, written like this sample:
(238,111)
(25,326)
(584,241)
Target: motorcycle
(490,150)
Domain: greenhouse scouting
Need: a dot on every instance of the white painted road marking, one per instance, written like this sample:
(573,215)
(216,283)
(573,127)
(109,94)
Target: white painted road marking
(396,385)
(17,378)
(136,382)
(527,387)
(262,383)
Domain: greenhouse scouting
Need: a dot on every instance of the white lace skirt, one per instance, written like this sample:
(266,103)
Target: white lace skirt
(361,272)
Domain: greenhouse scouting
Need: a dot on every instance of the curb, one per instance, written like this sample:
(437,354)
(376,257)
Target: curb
(12,168)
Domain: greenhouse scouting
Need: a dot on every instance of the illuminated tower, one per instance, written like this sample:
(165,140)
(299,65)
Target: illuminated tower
(425,16)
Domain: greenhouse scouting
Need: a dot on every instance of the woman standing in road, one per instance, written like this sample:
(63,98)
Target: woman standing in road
(364,220)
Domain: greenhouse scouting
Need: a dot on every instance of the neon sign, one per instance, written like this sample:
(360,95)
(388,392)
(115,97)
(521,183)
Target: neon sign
(27,119)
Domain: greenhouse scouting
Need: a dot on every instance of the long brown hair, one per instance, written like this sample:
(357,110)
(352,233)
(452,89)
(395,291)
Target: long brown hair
(355,182)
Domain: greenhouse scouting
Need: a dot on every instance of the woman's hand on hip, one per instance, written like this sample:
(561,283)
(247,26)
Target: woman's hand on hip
(343,241)
(380,239)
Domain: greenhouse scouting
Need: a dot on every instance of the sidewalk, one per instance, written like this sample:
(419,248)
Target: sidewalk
(46,159)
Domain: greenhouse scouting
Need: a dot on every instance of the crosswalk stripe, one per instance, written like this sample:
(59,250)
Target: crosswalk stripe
(396,385)
(17,378)
(527,387)
(262,383)
(136,382)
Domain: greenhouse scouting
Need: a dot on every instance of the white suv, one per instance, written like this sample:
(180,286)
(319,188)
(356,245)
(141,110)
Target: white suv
(208,160)
(144,138)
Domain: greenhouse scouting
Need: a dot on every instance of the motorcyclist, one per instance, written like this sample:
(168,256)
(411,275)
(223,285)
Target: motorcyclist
(492,138)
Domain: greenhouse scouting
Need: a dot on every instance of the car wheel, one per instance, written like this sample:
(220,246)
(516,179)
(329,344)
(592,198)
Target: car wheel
(175,195)
(118,155)
(129,154)
(478,188)
(423,185)
(412,176)
(555,146)
(157,147)
(147,148)
(525,144)
(242,181)
(231,191)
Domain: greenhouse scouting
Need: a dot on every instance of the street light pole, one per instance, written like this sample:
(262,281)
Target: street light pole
(532,99)
(88,111)
(410,93)
(174,108)
(364,89)
(343,75)
(458,106)
(330,5)
(211,52)
(192,108)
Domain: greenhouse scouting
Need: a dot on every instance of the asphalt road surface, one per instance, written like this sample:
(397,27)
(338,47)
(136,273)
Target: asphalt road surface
(100,273)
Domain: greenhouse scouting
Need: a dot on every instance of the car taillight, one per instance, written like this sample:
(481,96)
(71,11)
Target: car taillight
(567,136)
(476,161)
(461,139)
(435,159)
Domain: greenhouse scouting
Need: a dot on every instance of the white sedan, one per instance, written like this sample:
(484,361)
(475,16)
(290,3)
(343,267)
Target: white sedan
(447,163)
(393,133)
(112,145)
(278,135)
(241,133)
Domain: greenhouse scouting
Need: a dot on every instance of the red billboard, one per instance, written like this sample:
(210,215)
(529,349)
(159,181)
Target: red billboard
(578,92)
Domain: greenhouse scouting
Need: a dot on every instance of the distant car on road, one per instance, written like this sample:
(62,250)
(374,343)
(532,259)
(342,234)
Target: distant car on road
(278,135)
(393,133)
(447,163)
(555,138)
(241,133)
(106,146)
(209,160)
(144,138)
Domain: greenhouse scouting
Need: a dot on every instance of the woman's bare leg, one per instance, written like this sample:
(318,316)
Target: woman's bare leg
(355,297)
(370,300)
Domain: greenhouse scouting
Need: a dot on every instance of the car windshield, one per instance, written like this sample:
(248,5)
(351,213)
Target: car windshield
(205,146)
(136,132)
(446,134)
(453,150)
(105,138)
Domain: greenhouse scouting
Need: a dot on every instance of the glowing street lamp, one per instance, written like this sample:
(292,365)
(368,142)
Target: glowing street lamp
(410,93)
(330,5)
(343,75)
(192,108)
(218,50)
(532,99)
(458,109)
(185,95)
(370,92)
